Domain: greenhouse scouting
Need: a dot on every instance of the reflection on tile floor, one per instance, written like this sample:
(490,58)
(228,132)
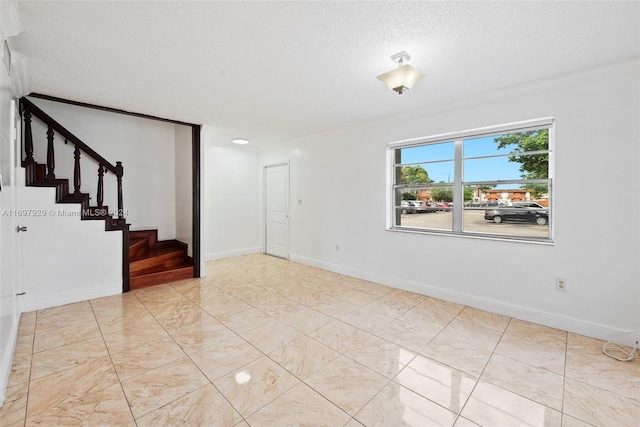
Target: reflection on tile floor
(266,342)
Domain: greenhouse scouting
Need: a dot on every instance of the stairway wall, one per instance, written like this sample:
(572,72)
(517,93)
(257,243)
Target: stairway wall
(145,147)
(66,259)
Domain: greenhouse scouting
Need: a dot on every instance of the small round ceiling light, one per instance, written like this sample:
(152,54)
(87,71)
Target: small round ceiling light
(241,141)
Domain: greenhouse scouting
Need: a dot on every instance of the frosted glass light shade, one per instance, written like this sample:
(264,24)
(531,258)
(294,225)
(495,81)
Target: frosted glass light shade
(402,78)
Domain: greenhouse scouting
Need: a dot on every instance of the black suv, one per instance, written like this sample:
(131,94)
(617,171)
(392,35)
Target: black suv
(519,211)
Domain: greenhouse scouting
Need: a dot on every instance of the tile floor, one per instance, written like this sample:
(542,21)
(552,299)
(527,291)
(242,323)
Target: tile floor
(266,342)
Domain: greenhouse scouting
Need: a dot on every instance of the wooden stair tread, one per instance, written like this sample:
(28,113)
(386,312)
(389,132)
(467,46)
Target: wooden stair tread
(166,276)
(158,252)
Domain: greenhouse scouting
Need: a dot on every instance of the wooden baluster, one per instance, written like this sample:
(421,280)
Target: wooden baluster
(51,158)
(28,138)
(100,186)
(119,174)
(76,171)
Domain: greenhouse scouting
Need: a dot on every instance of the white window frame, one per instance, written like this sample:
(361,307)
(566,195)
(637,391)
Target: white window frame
(457,138)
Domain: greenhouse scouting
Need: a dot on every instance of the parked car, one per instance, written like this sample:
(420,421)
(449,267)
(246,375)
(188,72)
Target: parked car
(519,211)
(421,207)
(408,207)
(442,206)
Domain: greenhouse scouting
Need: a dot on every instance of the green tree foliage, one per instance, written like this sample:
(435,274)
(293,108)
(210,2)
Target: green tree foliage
(414,175)
(442,194)
(408,196)
(468,193)
(531,167)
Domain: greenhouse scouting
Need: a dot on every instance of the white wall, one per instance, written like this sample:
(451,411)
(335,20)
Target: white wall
(231,200)
(340,177)
(65,259)
(183,184)
(145,147)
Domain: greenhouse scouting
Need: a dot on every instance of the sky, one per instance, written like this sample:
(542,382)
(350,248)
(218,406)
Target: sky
(474,170)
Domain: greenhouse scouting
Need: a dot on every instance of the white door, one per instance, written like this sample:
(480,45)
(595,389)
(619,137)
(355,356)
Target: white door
(276,227)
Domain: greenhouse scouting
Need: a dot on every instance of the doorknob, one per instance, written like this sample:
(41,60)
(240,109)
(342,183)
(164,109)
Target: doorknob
(19,229)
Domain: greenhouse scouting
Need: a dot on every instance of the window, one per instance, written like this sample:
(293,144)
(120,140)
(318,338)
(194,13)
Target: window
(491,182)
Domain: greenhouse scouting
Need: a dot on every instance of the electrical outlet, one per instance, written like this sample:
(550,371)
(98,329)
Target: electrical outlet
(561,285)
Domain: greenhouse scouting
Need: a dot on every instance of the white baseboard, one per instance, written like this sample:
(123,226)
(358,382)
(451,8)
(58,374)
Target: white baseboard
(231,254)
(46,301)
(552,320)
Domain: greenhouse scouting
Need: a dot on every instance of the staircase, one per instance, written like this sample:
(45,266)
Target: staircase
(145,260)
(152,262)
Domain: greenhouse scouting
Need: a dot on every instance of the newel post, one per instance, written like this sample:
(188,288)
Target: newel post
(100,192)
(51,157)
(119,173)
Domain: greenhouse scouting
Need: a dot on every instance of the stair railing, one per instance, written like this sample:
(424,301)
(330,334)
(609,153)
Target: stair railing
(29,109)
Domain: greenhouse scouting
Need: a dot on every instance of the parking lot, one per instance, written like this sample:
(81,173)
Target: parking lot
(474,222)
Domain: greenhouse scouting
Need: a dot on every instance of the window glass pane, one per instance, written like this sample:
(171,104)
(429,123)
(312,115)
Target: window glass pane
(415,208)
(504,144)
(515,212)
(423,153)
(425,173)
(506,168)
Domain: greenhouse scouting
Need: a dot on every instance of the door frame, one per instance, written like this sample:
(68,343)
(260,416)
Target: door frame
(264,206)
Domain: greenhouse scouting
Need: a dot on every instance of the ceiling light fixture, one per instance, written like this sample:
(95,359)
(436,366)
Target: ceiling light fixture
(240,141)
(402,78)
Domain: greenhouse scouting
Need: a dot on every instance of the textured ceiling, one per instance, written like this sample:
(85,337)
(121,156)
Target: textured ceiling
(271,71)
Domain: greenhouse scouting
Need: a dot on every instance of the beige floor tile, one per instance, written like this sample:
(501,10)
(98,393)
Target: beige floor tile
(245,321)
(398,406)
(369,287)
(537,333)
(459,354)
(49,336)
(484,318)
(439,383)
(99,407)
(229,354)
(20,370)
(393,305)
(68,356)
(584,346)
(110,322)
(334,307)
(365,318)
(601,371)
(202,407)
(134,336)
(432,321)
(408,335)
(532,353)
(66,387)
(202,335)
(382,356)
(65,315)
(14,407)
(27,322)
(599,407)
(300,406)
(220,306)
(540,386)
(303,356)
(339,336)
(568,421)
(278,306)
(24,344)
(183,316)
(449,309)
(357,297)
(307,320)
(303,295)
(347,384)
(353,423)
(463,422)
(135,361)
(478,336)
(254,385)
(270,336)
(494,406)
(152,389)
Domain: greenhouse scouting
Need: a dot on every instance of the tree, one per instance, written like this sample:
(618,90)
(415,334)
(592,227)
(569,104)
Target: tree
(414,175)
(408,196)
(468,194)
(442,194)
(531,167)
(534,166)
